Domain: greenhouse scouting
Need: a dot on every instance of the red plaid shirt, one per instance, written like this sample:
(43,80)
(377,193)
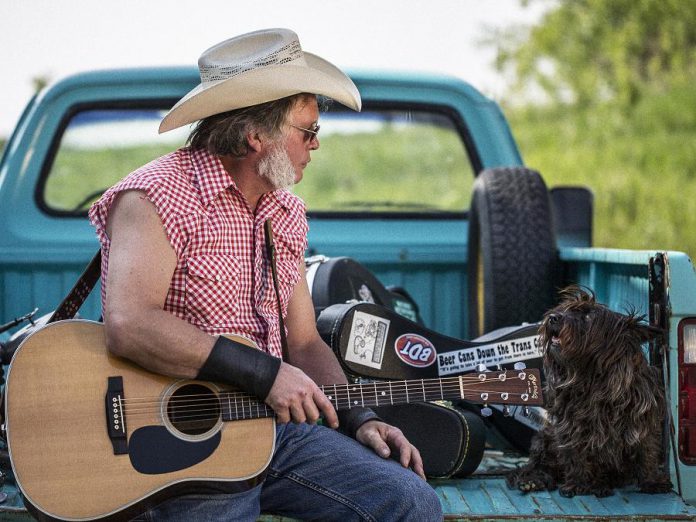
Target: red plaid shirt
(222,282)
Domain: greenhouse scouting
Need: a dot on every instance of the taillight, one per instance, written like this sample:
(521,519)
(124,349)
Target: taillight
(687,391)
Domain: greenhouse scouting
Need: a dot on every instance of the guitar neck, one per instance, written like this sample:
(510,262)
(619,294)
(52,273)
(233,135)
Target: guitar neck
(506,387)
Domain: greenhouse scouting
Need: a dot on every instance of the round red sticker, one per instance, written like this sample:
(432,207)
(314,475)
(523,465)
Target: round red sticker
(415,350)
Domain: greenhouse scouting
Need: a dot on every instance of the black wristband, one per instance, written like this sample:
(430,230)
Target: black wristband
(350,420)
(250,369)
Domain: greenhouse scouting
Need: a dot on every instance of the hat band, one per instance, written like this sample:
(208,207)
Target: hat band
(288,53)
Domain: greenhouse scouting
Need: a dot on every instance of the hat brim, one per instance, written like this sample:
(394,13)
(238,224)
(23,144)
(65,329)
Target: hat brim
(263,85)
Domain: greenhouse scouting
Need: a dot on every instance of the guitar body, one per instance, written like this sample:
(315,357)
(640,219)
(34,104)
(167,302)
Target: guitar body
(65,461)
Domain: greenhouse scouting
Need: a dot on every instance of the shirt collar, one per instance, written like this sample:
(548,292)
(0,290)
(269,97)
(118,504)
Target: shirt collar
(283,197)
(210,175)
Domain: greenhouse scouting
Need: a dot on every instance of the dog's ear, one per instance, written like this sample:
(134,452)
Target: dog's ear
(577,292)
(645,332)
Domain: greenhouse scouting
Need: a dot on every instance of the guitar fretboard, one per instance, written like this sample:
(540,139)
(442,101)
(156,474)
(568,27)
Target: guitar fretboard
(496,387)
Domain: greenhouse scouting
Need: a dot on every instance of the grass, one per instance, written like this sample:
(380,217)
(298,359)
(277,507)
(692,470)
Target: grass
(641,166)
(388,170)
(76,174)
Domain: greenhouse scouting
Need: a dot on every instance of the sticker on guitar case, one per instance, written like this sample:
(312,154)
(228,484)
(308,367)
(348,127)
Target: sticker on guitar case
(368,337)
(502,352)
(415,350)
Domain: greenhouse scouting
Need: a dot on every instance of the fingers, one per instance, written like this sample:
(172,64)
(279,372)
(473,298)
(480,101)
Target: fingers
(373,437)
(409,456)
(384,439)
(295,397)
(327,409)
(297,413)
(416,462)
(282,416)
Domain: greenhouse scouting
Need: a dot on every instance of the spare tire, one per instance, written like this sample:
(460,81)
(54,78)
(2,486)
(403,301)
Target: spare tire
(512,253)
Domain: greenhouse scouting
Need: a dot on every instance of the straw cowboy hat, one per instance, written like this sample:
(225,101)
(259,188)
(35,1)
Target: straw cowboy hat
(256,68)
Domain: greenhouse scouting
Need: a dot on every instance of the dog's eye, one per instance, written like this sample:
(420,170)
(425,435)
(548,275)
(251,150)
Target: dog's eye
(586,318)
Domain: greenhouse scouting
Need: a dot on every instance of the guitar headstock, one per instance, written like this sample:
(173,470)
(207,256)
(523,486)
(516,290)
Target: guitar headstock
(513,387)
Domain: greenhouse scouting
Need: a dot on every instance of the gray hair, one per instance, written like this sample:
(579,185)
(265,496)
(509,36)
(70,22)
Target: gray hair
(225,133)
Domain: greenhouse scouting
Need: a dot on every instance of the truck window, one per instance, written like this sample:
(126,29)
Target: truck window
(98,148)
(388,162)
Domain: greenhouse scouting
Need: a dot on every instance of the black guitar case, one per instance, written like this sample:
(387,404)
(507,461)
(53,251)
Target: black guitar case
(451,439)
(374,342)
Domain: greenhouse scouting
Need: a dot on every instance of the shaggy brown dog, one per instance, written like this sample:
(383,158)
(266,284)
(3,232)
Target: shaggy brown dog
(605,404)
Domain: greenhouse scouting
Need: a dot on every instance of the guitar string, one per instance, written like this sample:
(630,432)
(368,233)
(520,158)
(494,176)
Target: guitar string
(189,412)
(342,395)
(251,410)
(367,398)
(342,390)
(447,383)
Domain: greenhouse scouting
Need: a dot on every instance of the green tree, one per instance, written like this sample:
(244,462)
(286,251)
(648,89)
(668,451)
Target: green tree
(590,51)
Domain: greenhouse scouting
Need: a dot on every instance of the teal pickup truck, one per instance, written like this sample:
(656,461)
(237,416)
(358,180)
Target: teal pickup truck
(392,187)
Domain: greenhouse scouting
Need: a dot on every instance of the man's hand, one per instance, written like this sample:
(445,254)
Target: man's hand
(384,439)
(295,397)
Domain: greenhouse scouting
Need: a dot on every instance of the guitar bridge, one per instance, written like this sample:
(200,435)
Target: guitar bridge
(115,417)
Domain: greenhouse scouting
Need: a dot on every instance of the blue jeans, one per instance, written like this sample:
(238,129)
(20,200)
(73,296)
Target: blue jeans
(317,474)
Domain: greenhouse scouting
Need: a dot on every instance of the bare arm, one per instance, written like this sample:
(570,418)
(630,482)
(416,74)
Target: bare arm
(141,264)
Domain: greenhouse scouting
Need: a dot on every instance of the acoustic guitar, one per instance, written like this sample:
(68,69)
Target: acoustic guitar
(93,436)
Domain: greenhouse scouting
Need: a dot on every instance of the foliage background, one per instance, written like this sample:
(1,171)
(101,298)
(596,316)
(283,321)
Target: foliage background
(619,113)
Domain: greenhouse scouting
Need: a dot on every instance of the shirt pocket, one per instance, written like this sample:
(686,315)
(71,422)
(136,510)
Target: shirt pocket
(212,288)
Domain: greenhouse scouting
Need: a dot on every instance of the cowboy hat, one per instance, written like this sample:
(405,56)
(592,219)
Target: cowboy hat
(256,68)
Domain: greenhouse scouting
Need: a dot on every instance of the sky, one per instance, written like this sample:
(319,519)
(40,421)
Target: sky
(55,38)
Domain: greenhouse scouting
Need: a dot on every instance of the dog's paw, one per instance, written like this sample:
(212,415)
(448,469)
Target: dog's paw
(568,490)
(532,485)
(530,480)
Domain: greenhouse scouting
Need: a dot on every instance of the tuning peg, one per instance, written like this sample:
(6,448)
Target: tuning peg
(486,411)
(525,411)
(480,367)
(519,365)
(506,410)
(498,367)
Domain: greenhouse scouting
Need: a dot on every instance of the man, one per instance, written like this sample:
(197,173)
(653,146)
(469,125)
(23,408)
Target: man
(184,262)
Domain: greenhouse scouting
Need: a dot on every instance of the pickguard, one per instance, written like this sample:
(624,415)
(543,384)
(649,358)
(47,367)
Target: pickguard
(154,450)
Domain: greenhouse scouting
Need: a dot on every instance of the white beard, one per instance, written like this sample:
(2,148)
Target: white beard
(277,168)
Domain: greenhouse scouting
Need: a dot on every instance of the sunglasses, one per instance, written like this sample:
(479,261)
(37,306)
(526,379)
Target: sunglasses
(309,134)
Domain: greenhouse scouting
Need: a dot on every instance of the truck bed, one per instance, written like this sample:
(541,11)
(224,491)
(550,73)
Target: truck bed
(488,498)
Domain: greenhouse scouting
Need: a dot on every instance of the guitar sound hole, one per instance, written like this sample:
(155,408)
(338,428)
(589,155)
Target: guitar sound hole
(193,409)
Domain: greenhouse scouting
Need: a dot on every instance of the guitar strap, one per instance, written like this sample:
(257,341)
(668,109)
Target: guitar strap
(270,251)
(82,288)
